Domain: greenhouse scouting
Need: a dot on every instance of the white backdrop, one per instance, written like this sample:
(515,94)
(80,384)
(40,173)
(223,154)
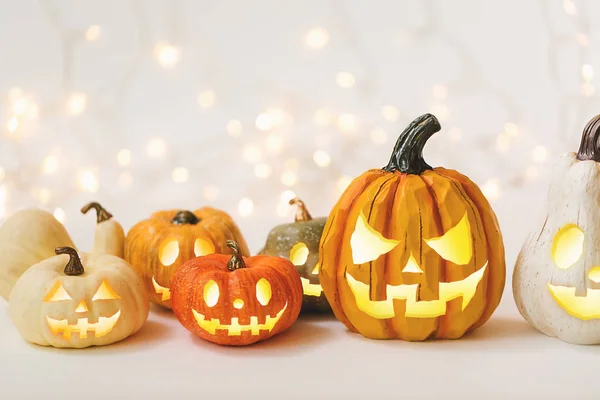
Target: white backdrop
(145,105)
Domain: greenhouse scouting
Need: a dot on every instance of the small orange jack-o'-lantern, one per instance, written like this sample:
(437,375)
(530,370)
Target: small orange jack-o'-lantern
(412,252)
(94,300)
(234,300)
(157,246)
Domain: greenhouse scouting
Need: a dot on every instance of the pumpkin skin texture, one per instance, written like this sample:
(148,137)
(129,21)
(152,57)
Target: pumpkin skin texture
(77,301)
(234,300)
(157,246)
(109,237)
(293,241)
(26,238)
(412,252)
(556,285)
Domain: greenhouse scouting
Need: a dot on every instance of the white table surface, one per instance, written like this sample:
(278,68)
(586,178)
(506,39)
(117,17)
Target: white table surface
(316,358)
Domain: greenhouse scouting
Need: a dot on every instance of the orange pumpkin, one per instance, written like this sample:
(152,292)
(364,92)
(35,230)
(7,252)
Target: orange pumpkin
(410,251)
(234,300)
(157,246)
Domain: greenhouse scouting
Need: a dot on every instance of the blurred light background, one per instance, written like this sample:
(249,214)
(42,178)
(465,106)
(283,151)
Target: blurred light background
(146,105)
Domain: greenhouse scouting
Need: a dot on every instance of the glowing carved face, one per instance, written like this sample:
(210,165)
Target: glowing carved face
(100,328)
(234,328)
(169,253)
(567,249)
(298,256)
(454,246)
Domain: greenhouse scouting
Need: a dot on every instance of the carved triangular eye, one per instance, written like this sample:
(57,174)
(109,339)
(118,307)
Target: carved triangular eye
(105,292)
(368,244)
(57,293)
(456,245)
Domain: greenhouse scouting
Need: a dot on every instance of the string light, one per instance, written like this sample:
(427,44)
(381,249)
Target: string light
(321,158)
(92,33)
(124,157)
(323,117)
(316,38)
(347,122)
(245,207)
(345,79)
(180,175)
(274,143)
(262,170)
(59,214)
(539,154)
(234,128)
(88,181)
(166,54)
(206,99)
(156,148)
(76,103)
(587,72)
(390,113)
(50,165)
(491,189)
(264,122)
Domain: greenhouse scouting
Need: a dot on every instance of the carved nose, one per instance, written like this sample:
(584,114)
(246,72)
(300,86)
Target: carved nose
(594,274)
(82,307)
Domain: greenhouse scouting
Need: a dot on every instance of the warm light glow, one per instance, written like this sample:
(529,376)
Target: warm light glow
(81,307)
(289,178)
(539,154)
(511,129)
(92,33)
(390,113)
(347,123)
(166,54)
(291,164)
(378,136)
(367,244)
(165,293)
(156,148)
(456,245)
(235,329)
(180,175)
(57,293)
(491,189)
(274,143)
(454,134)
(206,99)
(100,328)
(234,128)
(252,153)
(76,103)
(264,122)
(211,293)
(245,207)
(316,38)
(88,181)
(263,291)
(203,247)
(583,307)
(59,214)
(12,124)
(238,304)
(594,274)
(412,266)
(323,117)
(169,252)
(321,158)
(345,79)
(384,309)
(124,157)
(567,246)
(315,270)
(50,165)
(105,292)
(262,170)
(299,254)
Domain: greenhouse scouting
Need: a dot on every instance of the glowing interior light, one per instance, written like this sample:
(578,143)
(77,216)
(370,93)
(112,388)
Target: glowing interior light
(165,293)
(211,293)
(567,246)
(299,254)
(105,292)
(456,245)
(100,328)
(583,307)
(169,253)
(594,274)
(263,291)
(310,289)
(414,308)
(203,247)
(238,304)
(235,328)
(81,307)
(315,270)
(412,266)
(367,244)
(57,293)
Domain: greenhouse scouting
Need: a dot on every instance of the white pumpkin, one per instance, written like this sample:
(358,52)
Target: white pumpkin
(77,301)
(109,237)
(26,238)
(556,281)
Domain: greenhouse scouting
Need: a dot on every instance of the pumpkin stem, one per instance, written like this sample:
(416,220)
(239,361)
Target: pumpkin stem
(74,266)
(237,260)
(589,149)
(407,156)
(101,214)
(302,213)
(185,217)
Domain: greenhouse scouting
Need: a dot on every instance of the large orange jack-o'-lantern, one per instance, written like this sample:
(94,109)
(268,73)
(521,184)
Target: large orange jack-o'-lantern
(410,251)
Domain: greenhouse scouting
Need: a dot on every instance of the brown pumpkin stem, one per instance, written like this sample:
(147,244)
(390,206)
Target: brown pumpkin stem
(407,156)
(302,213)
(589,149)
(185,217)
(237,260)
(101,214)
(74,266)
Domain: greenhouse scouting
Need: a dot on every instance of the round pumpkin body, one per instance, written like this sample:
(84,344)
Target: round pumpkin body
(157,246)
(411,252)
(102,302)
(299,243)
(234,300)
(556,280)
(26,238)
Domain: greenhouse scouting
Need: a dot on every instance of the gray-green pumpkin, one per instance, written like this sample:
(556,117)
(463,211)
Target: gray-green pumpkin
(299,243)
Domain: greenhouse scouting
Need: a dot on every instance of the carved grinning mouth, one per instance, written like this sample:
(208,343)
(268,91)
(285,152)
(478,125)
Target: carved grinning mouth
(163,291)
(384,309)
(100,328)
(235,329)
(310,289)
(582,307)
